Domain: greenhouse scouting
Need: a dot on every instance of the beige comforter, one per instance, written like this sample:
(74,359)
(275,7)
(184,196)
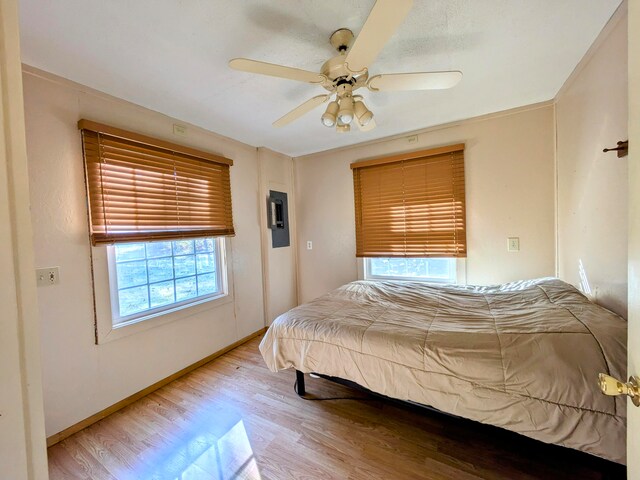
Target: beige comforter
(523,356)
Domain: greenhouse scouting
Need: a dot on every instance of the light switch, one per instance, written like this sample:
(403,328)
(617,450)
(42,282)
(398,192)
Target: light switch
(513,244)
(47,276)
(309,245)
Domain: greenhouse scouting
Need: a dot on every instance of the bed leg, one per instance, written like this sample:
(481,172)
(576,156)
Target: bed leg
(300,382)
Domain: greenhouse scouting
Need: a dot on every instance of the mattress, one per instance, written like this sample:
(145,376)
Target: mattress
(524,356)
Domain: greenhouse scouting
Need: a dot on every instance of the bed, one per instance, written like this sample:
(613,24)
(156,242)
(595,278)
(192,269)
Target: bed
(523,356)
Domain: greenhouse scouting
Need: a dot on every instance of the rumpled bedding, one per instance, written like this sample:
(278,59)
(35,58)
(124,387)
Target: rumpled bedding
(524,356)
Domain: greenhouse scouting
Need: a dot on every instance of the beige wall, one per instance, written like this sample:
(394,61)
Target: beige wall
(509,169)
(591,113)
(279,269)
(79,377)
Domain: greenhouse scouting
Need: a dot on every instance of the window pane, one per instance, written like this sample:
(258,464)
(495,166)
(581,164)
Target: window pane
(129,251)
(206,262)
(207,284)
(158,249)
(186,288)
(161,293)
(183,247)
(184,266)
(131,274)
(388,266)
(204,245)
(158,274)
(436,269)
(160,269)
(439,268)
(133,300)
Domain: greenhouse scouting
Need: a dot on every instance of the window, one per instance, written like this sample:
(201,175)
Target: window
(411,205)
(441,270)
(158,215)
(150,278)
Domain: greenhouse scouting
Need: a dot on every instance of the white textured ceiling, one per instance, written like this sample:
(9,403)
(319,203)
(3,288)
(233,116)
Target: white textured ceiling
(171,56)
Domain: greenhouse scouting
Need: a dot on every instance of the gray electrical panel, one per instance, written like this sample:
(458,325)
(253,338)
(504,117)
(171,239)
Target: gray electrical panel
(278,218)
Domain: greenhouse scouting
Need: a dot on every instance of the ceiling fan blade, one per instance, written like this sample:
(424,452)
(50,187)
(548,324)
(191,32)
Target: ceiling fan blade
(263,68)
(369,126)
(301,110)
(414,81)
(384,19)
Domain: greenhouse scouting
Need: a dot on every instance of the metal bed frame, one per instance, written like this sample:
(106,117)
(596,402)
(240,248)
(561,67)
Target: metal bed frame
(300,389)
(609,470)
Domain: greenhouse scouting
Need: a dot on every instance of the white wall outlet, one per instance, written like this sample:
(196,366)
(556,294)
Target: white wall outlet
(309,245)
(513,244)
(47,276)
(412,139)
(179,130)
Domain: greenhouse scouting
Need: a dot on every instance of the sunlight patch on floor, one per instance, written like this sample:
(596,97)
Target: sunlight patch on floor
(206,452)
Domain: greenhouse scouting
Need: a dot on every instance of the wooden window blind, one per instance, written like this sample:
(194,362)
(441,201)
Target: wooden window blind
(143,189)
(411,205)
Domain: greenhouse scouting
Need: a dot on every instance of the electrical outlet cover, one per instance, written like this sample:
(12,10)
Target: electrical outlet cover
(47,276)
(179,130)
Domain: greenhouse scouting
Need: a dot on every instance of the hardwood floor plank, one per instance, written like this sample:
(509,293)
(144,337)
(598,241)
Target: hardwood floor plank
(233,418)
(79,462)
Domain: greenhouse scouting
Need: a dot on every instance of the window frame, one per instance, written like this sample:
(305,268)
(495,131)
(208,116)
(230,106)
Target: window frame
(106,331)
(119,322)
(364,269)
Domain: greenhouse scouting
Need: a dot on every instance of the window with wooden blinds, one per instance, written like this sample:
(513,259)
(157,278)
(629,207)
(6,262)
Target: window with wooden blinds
(142,189)
(411,205)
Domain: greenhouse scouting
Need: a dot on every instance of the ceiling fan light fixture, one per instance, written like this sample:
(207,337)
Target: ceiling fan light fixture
(330,116)
(363,114)
(345,114)
(343,127)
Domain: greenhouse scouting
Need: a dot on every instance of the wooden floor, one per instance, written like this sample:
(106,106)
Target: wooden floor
(232,418)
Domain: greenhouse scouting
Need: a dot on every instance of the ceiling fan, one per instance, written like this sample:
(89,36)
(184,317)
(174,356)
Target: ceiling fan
(343,74)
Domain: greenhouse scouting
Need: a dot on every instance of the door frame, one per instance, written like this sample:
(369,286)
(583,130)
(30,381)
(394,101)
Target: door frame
(23,453)
(633,347)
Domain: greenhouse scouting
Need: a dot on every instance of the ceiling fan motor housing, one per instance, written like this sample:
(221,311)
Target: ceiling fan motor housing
(336,71)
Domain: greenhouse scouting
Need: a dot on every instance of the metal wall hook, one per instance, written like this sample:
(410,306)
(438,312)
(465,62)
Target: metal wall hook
(622,148)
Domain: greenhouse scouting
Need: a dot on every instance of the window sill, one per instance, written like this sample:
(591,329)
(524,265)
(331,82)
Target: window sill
(138,325)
